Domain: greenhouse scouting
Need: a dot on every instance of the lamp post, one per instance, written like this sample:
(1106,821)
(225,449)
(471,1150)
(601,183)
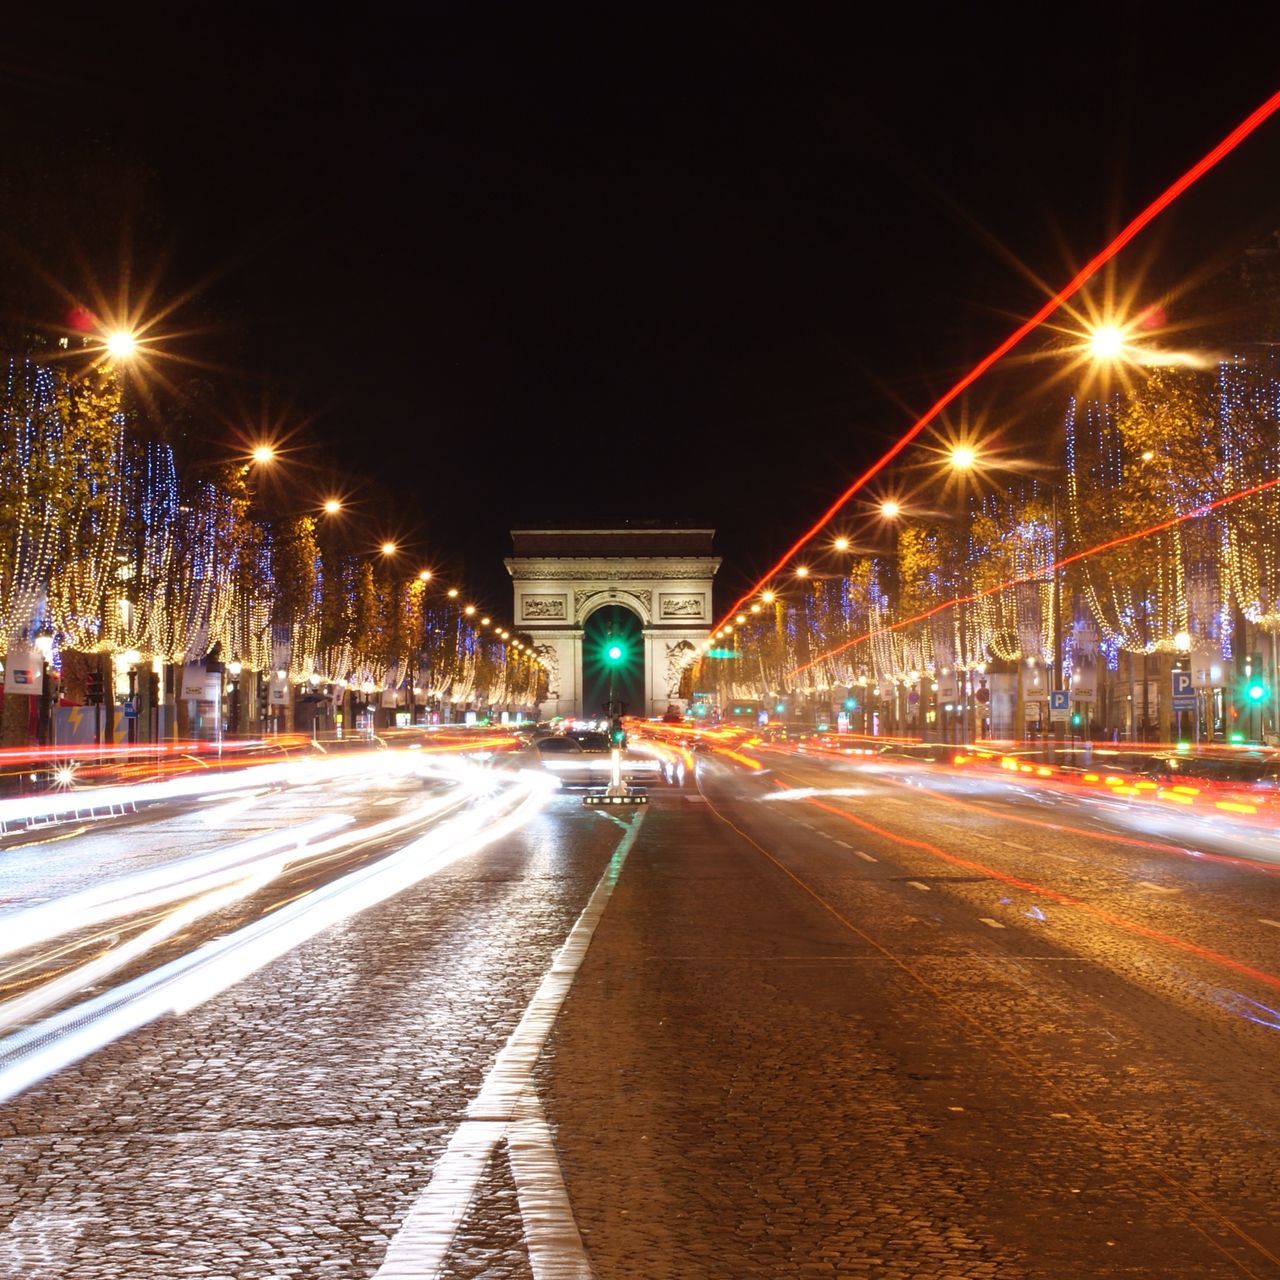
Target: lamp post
(43,642)
(234,668)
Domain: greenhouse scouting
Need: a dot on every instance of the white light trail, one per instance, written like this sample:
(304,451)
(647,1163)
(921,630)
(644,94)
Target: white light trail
(37,1051)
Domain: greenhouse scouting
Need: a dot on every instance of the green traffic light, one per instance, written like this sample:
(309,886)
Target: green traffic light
(614,653)
(1257,692)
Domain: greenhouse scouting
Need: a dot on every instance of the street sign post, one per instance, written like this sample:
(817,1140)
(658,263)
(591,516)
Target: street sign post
(1184,693)
(1059,706)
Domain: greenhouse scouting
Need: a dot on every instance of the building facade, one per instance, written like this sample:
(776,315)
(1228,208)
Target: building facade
(561,577)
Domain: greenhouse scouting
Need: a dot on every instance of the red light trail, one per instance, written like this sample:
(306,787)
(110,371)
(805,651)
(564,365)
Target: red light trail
(1041,574)
(1073,286)
(1065,899)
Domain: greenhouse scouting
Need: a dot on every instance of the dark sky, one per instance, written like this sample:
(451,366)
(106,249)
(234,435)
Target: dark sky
(541,263)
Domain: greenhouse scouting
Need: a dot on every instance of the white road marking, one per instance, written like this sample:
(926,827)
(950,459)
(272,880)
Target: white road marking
(866,857)
(987,920)
(389,800)
(1158,888)
(844,844)
(915,884)
(1275,924)
(1013,844)
(550,1232)
(507,1108)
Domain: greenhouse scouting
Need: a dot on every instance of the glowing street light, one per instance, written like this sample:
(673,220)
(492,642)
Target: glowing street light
(841,543)
(890,509)
(424,575)
(469,610)
(452,593)
(767,596)
(1106,342)
(121,344)
(802,571)
(332,506)
(388,548)
(962,457)
(741,618)
(263,454)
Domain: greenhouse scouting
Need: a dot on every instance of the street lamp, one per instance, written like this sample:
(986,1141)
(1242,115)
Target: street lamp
(332,506)
(890,509)
(120,344)
(43,642)
(263,454)
(388,548)
(1106,342)
(234,668)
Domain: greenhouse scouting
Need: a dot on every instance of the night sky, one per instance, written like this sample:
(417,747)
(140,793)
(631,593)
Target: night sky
(542,264)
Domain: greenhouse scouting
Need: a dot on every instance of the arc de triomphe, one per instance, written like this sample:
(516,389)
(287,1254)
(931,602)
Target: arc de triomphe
(562,576)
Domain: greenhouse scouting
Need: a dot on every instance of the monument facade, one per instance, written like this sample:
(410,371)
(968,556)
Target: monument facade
(561,576)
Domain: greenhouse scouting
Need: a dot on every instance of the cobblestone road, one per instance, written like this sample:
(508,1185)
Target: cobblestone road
(950,1043)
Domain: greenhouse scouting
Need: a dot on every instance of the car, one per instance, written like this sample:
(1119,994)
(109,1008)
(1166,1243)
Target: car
(583,758)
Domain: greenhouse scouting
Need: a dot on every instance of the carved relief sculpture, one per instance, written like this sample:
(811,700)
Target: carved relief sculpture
(553,607)
(679,655)
(549,656)
(681,606)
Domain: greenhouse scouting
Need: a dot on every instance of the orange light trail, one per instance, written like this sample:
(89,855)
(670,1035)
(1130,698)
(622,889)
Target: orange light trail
(1041,574)
(1073,286)
(1065,899)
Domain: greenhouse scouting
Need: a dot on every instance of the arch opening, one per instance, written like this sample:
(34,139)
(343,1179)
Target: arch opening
(613,659)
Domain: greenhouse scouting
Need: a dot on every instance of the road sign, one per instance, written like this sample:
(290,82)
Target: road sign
(1184,694)
(1059,705)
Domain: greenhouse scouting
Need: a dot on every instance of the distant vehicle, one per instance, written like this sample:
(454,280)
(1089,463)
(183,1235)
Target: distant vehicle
(672,717)
(581,759)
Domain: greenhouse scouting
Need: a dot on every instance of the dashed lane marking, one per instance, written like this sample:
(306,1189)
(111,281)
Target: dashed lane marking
(1275,924)
(1156,888)
(990,923)
(866,857)
(507,1108)
(844,844)
(915,884)
(1013,844)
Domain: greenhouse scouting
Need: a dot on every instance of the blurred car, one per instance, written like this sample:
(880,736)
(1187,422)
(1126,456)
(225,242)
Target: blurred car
(583,759)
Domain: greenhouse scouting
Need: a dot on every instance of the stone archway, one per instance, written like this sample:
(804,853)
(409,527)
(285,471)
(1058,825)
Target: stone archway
(613,624)
(662,575)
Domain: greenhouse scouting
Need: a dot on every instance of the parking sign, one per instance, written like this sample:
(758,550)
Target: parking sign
(1184,694)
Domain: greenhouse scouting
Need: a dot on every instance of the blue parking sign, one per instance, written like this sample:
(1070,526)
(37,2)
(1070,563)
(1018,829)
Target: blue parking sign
(1184,694)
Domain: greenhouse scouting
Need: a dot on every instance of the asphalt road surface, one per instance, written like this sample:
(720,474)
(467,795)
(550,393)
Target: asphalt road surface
(807,1019)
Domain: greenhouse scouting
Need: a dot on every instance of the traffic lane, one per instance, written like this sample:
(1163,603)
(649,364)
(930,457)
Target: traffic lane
(804,1072)
(1174,1021)
(284,1127)
(138,847)
(37,981)
(1184,821)
(47,862)
(1223,905)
